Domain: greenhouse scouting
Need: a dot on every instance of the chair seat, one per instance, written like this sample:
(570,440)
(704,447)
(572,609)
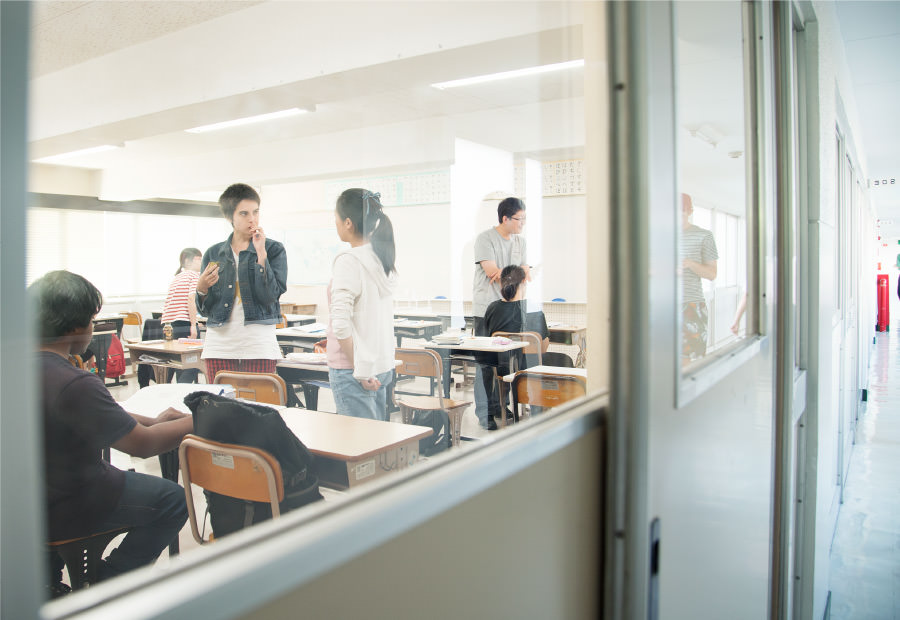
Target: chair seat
(430,402)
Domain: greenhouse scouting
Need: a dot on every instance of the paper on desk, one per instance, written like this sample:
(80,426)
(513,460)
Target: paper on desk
(149,359)
(154,399)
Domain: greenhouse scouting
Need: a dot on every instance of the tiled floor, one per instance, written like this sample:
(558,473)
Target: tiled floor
(865,555)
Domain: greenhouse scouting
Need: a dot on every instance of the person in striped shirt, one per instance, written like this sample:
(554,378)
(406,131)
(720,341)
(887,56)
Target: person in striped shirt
(699,259)
(181,306)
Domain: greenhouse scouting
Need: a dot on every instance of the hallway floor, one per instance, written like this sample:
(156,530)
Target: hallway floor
(865,554)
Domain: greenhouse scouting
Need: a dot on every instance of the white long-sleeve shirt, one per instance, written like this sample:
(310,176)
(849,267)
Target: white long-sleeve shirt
(362,307)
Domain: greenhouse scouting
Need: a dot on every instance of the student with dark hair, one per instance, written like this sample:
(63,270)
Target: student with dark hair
(238,290)
(181,305)
(84,493)
(496,248)
(508,315)
(361,302)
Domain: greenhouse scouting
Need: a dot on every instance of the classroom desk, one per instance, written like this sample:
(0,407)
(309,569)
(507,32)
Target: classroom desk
(171,354)
(549,370)
(309,376)
(571,335)
(407,328)
(423,315)
(469,345)
(294,320)
(349,451)
(298,338)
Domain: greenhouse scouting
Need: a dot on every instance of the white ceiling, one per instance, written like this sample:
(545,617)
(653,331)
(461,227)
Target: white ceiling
(137,74)
(871,32)
(364,69)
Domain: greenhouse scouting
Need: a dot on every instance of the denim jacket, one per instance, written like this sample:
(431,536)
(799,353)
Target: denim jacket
(261,286)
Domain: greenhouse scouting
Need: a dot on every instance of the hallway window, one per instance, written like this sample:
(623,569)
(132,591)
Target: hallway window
(712,104)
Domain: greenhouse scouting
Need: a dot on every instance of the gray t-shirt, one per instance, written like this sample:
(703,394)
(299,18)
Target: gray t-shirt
(490,245)
(697,244)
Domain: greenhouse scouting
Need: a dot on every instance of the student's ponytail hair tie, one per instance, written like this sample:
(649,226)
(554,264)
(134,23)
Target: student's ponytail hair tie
(367,195)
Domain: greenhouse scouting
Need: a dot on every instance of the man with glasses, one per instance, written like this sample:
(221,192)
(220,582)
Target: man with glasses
(496,248)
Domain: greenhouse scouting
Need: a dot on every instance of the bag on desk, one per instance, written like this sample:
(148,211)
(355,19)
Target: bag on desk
(230,421)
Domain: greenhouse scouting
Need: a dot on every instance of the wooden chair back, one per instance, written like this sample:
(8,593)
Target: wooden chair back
(261,387)
(419,363)
(545,389)
(283,322)
(132,318)
(243,472)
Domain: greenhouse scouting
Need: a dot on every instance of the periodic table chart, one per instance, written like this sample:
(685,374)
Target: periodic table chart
(421,188)
(559,178)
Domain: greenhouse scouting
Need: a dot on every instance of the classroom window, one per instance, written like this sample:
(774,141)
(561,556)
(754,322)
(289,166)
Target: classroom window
(378,107)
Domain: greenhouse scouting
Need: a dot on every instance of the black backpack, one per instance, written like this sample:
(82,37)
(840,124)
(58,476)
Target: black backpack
(439,422)
(231,421)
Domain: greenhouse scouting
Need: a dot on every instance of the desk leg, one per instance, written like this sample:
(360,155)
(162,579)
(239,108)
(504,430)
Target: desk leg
(446,378)
(168,466)
(311,394)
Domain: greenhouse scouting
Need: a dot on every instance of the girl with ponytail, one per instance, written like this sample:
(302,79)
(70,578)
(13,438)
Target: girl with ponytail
(361,303)
(181,308)
(508,315)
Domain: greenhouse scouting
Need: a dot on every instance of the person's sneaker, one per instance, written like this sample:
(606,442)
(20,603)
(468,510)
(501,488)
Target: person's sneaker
(58,589)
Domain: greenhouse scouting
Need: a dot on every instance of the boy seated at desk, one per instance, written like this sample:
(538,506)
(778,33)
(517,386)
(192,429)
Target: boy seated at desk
(84,493)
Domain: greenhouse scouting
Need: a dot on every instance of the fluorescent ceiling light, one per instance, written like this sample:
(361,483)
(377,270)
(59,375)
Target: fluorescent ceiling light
(506,75)
(90,151)
(246,121)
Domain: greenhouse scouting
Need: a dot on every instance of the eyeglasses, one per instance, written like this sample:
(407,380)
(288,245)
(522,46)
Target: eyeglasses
(518,219)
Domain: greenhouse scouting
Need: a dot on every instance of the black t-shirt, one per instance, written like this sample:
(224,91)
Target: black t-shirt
(510,316)
(80,420)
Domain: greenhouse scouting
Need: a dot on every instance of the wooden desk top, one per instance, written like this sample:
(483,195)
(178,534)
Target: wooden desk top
(163,346)
(550,370)
(572,329)
(478,343)
(299,332)
(326,434)
(347,438)
(410,323)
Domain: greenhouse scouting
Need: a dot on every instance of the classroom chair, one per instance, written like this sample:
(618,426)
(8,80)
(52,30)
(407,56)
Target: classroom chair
(132,319)
(282,323)
(540,389)
(261,387)
(558,358)
(532,338)
(82,555)
(241,472)
(427,363)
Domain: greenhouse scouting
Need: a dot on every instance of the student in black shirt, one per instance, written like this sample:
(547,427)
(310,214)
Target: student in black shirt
(84,493)
(508,315)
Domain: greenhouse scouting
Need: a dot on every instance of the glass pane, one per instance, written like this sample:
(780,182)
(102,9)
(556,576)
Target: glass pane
(712,177)
(445,117)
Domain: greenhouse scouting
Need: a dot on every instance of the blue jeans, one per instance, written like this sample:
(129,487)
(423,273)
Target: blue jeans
(351,398)
(155,510)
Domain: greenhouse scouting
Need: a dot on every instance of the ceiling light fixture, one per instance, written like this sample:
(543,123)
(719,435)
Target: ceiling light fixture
(259,118)
(506,75)
(51,159)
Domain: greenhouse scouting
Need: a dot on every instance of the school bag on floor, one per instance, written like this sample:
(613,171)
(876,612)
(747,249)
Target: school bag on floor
(231,421)
(438,421)
(115,359)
